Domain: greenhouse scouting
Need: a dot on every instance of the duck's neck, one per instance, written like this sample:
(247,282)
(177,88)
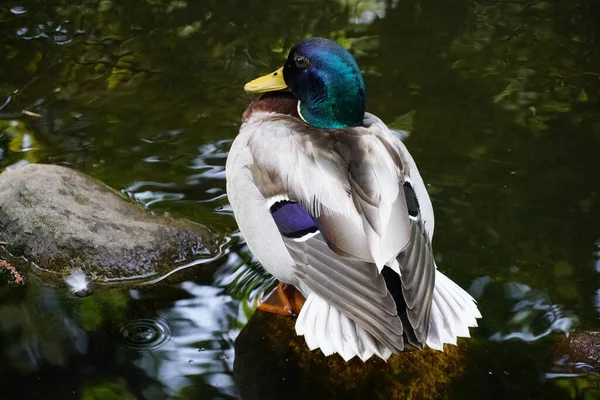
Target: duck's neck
(276,102)
(344,114)
(335,113)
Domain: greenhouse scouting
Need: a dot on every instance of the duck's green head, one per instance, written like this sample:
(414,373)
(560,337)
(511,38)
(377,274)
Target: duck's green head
(326,80)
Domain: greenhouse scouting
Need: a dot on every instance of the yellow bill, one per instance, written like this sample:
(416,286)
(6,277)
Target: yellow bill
(267,83)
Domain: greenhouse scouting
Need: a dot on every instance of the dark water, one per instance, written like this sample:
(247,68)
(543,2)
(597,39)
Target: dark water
(501,99)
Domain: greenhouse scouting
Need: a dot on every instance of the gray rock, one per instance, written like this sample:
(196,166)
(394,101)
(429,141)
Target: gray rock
(62,220)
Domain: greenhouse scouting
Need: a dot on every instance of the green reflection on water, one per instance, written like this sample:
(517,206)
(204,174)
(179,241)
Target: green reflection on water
(500,98)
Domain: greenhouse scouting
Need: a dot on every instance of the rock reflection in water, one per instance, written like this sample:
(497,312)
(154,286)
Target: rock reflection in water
(36,329)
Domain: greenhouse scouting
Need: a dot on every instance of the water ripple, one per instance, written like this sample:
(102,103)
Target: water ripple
(532,315)
(145,333)
(18,10)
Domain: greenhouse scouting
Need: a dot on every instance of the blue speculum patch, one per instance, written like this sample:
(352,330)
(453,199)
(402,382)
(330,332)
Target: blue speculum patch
(292,220)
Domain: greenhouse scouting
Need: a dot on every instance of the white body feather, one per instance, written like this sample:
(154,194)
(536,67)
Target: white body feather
(77,282)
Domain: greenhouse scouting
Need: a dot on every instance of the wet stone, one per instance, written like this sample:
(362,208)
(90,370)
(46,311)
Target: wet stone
(578,353)
(61,221)
(271,362)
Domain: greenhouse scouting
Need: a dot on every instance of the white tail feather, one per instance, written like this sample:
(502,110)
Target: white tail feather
(324,327)
(348,339)
(453,311)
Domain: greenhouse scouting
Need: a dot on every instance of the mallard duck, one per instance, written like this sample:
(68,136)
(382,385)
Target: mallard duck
(332,204)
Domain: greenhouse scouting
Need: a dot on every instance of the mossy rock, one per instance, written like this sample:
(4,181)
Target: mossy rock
(271,362)
(62,220)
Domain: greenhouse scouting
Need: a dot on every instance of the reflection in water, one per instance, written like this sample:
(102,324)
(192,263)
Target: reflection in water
(185,350)
(149,193)
(597,257)
(578,386)
(206,169)
(35,328)
(201,349)
(210,162)
(245,281)
(597,268)
(18,10)
(533,316)
(365,12)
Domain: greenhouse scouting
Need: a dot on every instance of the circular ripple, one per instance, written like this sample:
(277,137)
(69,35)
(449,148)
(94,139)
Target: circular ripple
(145,333)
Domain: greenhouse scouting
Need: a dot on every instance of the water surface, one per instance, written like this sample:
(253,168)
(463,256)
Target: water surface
(500,99)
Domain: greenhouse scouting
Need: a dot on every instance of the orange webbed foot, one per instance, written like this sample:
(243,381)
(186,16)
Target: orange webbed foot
(285,300)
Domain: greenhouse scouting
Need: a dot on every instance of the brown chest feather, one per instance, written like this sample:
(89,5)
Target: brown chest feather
(277,102)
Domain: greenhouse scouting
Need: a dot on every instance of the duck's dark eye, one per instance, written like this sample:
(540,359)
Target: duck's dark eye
(301,61)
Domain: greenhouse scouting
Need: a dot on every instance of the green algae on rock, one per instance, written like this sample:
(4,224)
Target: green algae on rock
(271,362)
(62,221)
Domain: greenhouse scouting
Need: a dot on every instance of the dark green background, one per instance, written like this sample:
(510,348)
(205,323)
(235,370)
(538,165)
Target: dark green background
(501,99)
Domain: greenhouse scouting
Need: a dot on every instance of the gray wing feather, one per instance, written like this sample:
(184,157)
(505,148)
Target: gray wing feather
(416,263)
(343,172)
(354,287)
(417,269)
